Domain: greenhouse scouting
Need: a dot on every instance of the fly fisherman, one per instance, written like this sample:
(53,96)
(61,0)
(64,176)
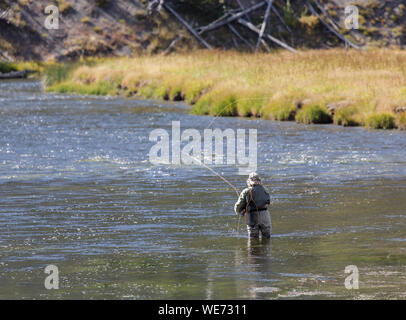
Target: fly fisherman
(253,202)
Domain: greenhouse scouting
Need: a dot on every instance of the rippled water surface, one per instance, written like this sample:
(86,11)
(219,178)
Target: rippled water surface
(77,191)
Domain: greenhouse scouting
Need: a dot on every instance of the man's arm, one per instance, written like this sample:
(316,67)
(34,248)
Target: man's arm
(241,203)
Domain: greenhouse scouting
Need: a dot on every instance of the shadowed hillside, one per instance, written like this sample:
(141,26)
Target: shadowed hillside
(125,28)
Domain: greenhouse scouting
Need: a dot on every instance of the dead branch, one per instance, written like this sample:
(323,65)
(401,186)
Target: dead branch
(172,44)
(4,15)
(243,8)
(328,17)
(313,11)
(232,18)
(214,22)
(190,29)
(235,43)
(265,45)
(234,30)
(268,36)
(281,19)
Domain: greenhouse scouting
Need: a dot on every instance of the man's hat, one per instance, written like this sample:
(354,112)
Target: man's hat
(253,179)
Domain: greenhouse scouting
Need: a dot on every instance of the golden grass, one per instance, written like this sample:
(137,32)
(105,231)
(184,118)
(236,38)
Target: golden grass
(267,85)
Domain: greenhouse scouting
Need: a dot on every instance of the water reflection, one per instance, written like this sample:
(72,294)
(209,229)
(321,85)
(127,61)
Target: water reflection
(260,260)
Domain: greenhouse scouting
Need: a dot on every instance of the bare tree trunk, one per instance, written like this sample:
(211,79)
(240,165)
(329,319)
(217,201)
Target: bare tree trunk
(263,27)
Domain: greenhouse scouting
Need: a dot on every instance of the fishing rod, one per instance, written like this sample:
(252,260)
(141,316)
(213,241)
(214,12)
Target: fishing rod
(216,173)
(225,180)
(211,122)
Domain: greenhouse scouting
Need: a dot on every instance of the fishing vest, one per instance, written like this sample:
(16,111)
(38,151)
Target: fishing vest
(257,199)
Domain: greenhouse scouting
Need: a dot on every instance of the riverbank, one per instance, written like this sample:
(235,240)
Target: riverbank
(19,70)
(345,87)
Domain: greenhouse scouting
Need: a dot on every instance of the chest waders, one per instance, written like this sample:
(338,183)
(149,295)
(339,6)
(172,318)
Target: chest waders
(246,211)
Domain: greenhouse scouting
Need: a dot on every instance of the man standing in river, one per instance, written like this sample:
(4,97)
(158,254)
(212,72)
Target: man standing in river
(253,202)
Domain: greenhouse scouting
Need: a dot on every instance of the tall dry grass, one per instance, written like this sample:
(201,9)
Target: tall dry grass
(272,86)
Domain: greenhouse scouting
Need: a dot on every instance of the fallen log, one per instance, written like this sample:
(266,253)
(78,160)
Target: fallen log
(15,74)
(268,36)
(198,30)
(232,18)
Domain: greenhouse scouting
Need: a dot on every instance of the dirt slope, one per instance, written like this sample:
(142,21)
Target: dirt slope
(119,27)
(85,28)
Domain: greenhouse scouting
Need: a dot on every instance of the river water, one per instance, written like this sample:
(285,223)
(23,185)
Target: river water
(77,190)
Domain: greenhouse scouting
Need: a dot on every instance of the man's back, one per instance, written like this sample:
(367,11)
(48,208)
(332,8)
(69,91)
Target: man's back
(260,199)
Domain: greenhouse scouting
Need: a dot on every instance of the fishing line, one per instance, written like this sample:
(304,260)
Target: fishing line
(210,169)
(210,124)
(216,173)
(226,181)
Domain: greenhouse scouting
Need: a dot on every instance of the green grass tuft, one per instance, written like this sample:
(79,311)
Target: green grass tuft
(100,88)
(7,67)
(380,121)
(148,91)
(193,91)
(313,114)
(345,116)
(225,107)
(202,107)
(161,92)
(176,93)
(251,106)
(281,110)
(58,73)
